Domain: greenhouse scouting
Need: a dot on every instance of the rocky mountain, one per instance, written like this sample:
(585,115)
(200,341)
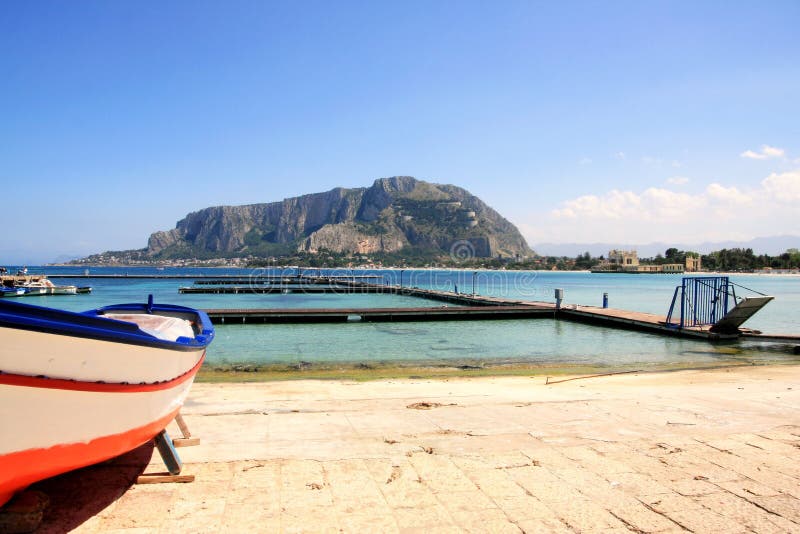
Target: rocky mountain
(395,215)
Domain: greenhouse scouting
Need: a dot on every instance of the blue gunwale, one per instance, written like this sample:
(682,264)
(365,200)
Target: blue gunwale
(91,324)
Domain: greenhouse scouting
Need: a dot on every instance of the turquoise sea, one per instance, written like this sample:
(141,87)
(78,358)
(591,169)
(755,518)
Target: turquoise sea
(469,343)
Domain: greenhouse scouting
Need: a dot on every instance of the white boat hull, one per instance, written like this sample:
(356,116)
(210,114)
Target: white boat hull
(64,290)
(87,359)
(68,400)
(49,417)
(48,431)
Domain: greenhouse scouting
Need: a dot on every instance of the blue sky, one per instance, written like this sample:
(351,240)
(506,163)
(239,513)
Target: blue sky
(579,121)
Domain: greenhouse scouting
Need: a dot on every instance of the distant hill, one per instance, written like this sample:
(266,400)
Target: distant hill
(395,215)
(761,245)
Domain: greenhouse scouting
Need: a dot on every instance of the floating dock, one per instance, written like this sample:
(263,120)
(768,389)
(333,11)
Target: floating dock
(277,289)
(245,279)
(347,286)
(774,338)
(632,320)
(340,315)
(486,310)
(256,280)
(477,307)
(468,306)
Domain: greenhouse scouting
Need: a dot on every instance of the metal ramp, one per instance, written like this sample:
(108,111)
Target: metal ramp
(711,301)
(745,309)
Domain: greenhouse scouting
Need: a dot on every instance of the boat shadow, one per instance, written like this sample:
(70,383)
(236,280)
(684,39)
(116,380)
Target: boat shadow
(79,495)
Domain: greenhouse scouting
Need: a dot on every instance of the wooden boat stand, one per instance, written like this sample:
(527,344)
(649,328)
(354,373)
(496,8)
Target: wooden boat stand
(166,449)
(187,440)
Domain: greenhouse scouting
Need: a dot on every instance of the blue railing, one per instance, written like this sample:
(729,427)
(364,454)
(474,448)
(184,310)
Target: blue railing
(703,301)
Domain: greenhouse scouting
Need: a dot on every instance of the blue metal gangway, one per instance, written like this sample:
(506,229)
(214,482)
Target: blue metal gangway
(701,300)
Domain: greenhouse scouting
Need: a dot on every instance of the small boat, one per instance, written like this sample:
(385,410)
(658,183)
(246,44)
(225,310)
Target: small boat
(12,291)
(43,286)
(63,290)
(80,388)
(34,289)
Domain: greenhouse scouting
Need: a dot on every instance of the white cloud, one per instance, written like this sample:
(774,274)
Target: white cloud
(584,161)
(615,204)
(678,180)
(718,212)
(772,152)
(728,195)
(666,204)
(766,152)
(784,187)
(620,155)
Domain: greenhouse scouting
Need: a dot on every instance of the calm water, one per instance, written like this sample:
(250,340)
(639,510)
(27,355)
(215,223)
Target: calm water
(536,341)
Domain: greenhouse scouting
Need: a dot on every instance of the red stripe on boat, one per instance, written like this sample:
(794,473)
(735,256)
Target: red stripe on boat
(18,470)
(102,387)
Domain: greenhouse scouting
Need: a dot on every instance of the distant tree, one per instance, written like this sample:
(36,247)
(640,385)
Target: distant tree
(673,255)
(735,259)
(794,258)
(585,261)
(711,261)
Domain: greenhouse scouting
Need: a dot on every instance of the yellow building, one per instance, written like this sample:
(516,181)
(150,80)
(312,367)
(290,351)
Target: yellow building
(671,268)
(627,261)
(693,263)
(623,258)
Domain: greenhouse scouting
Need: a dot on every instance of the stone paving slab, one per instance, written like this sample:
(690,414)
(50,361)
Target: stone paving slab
(693,451)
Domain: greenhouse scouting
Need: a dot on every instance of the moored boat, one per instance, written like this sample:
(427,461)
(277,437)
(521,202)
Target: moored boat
(12,291)
(43,286)
(34,290)
(80,388)
(63,290)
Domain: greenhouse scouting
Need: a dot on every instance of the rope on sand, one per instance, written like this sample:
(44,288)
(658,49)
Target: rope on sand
(547,381)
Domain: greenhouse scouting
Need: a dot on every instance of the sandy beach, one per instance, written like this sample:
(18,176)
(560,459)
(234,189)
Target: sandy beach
(702,451)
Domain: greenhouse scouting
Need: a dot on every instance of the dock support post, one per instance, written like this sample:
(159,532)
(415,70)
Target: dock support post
(168,453)
(605,300)
(559,298)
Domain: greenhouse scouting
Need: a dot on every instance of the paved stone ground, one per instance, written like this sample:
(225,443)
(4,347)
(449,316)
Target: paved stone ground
(696,451)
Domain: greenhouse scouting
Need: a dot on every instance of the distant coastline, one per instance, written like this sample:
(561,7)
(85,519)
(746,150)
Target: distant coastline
(673,261)
(766,273)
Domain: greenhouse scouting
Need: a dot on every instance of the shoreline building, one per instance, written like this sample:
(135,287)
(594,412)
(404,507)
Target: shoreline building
(693,263)
(627,261)
(624,259)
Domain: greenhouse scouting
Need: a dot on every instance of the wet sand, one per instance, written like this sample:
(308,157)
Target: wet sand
(701,450)
(359,372)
